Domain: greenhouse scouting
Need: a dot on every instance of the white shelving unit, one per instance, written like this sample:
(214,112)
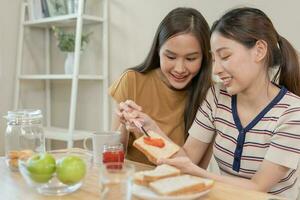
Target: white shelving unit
(76,20)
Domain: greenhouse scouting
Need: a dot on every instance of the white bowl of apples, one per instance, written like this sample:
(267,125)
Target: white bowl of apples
(57,172)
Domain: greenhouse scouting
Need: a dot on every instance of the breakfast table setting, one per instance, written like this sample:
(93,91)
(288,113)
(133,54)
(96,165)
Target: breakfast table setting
(14,187)
(99,171)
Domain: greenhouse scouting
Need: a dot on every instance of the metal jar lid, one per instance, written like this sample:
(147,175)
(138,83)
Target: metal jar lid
(23,116)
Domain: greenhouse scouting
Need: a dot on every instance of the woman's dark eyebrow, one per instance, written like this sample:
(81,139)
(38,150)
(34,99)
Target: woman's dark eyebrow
(170,52)
(190,54)
(220,49)
(194,53)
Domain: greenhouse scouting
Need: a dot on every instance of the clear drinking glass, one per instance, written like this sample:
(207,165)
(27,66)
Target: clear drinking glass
(24,136)
(116,181)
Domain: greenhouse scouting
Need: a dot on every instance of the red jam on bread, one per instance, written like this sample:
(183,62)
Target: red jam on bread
(157,142)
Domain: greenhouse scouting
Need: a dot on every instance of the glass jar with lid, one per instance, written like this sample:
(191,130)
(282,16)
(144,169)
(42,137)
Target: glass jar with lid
(24,136)
(113,153)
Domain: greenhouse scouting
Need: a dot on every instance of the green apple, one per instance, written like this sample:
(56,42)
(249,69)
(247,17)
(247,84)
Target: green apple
(40,178)
(70,169)
(41,167)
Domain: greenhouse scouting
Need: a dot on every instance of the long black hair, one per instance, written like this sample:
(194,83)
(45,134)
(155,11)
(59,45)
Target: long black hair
(247,26)
(181,21)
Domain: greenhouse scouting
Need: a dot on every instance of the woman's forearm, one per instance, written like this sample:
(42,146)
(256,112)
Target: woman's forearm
(240,182)
(180,153)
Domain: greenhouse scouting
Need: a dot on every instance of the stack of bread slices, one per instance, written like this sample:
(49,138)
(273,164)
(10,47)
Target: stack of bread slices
(168,181)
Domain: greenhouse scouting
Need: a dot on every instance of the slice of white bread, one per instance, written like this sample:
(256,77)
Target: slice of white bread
(138,178)
(181,185)
(152,152)
(161,171)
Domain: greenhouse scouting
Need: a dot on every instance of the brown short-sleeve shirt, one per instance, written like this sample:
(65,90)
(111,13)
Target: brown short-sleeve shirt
(161,103)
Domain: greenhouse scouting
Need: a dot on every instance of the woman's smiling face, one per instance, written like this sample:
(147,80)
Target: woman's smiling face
(235,64)
(180,60)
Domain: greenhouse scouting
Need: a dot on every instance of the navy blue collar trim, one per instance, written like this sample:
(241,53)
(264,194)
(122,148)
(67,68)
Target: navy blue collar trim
(242,131)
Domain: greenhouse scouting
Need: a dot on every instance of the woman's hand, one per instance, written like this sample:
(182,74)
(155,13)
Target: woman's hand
(183,163)
(129,112)
(126,107)
(138,118)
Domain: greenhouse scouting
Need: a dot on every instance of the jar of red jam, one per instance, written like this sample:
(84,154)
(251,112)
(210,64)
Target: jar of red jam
(113,153)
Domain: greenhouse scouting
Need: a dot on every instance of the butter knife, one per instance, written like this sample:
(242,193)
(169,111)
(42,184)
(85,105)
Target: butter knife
(140,126)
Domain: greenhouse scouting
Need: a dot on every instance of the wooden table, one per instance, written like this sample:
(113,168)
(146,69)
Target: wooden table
(13,187)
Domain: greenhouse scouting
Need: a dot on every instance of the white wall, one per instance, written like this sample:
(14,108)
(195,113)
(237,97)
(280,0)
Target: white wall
(132,28)
(9,20)
(134,22)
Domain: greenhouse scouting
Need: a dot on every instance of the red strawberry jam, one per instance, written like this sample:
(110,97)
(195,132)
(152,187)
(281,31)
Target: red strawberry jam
(113,154)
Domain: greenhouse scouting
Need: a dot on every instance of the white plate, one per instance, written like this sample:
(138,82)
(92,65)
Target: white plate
(146,193)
